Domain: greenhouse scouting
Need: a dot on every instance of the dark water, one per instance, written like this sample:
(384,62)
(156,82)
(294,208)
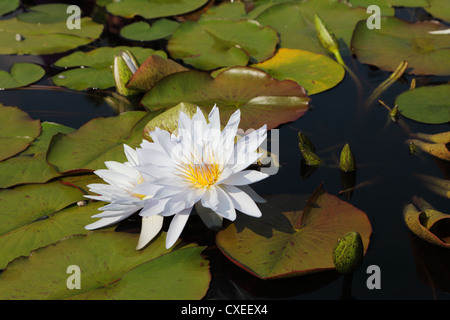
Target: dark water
(384,173)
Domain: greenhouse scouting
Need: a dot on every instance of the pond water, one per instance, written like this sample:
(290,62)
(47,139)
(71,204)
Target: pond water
(385,179)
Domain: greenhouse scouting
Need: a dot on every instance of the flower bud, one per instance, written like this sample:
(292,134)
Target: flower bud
(326,36)
(125,65)
(307,149)
(348,253)
(347,161)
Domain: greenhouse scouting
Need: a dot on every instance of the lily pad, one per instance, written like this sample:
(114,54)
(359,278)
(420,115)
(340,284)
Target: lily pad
(210,44)
(314,72)
(36,201)
(93,69)
(428,223)
(429,104)
(97,141)
(153,273)
(439,9)
(46,13)
(294,22)
(399,40)
(21,75)
(152,70)
(37,234)
(385,7)
(18,131)
(30,166)
(150,9)
(8,6)
(142,31)
(20,37)
(288,241)
(261,98)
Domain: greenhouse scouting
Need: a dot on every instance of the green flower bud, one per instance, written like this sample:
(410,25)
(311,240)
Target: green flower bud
(305,142)
(125,65)
(307,149)
(348,253)
(327,38)
(347,161)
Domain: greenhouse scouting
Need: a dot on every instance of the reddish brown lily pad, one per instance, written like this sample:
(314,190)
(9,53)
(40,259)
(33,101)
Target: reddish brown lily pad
(288,241)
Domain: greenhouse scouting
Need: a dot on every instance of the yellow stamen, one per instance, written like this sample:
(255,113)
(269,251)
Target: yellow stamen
(201,175)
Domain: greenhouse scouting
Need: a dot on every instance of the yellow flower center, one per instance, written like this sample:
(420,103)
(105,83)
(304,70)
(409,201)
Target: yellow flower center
(201,175)
(137,195)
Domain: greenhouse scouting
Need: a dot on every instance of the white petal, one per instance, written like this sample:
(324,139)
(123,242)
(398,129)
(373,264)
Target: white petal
(176,226)
(149,229)
(154,207)
(211,219)
(242,201)
(245,177)
(127,171)
(210,199)
(225,206)
(131,155)
(104,222)
(123,213)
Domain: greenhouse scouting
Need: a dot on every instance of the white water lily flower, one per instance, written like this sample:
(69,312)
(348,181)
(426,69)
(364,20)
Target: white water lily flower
(201,165)
(122,178)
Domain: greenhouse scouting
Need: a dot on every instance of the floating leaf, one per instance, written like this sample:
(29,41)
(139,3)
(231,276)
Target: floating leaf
(150,9)
(152,273)
(314,72)
(142,31)
(152,70)
(294,22)
(428,223)
(46,13)
(408,3)
(21,75)
(30,166)
(36,201)
(261,98)
(168,120)
(210,44)
(94,68)
(19,37)
(287,241)
(399,40)
(385,7)
(54,227)
(8,6)
(429,104)
(440,9)
(97,141)
(439,150)
(18,130)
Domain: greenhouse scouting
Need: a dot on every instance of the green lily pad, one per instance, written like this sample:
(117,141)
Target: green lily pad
(439,9)
(265,100)
(153,273)
(142,31)
(37,234)
(408,3)
(150,9)
(314,72)
(97,141)
(151,71)
(294,22)
(30,166)
(398,40)
(8,6)
(93,69)
(46,13)
(168,120)
(288,241)
(426,104)
(20,37)
(385,8)
(18,131)
(21,75)
(36,201)
(209,44)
